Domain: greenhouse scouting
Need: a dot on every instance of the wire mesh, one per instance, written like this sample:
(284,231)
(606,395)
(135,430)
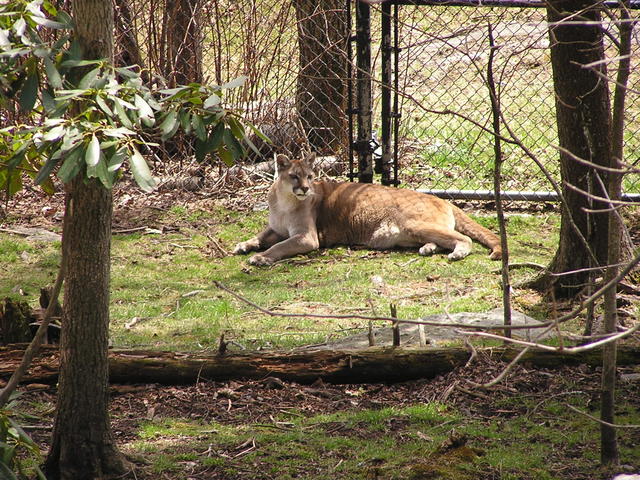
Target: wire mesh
(296,59)
(445,138)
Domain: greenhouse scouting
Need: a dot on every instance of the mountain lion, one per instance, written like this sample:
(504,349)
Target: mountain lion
(305,215)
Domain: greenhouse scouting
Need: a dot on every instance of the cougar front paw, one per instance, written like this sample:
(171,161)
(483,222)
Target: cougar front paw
(241,248)
(260,260)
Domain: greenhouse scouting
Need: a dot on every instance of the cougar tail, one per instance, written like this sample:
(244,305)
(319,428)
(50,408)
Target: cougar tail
(466,225)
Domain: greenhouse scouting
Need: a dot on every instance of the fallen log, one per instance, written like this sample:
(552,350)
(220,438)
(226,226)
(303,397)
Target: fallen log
(344,366)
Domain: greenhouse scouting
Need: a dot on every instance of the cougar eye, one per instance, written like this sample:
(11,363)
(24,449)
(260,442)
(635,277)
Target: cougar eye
(310,177)
(293,176)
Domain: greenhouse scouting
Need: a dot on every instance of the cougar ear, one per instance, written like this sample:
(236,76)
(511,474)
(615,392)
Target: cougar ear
(282,162)
(310,159)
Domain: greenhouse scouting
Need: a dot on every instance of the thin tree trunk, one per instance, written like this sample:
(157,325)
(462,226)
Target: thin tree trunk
(609,453)
(184,42)
(497,185)
(83,445)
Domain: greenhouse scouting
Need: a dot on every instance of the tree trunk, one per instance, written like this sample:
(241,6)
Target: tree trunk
(321,90)
(334,366)
(83,445)
(584,131)
(609,453)
(128,49)
(183,57)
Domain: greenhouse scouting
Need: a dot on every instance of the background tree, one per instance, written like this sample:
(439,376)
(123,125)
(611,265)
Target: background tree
(183,46)
(321,87)
(583,113)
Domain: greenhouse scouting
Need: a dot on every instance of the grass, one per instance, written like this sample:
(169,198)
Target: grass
(163,295)
(391,443)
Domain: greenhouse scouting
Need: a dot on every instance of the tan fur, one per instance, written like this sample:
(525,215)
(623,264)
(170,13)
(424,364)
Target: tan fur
(305,215)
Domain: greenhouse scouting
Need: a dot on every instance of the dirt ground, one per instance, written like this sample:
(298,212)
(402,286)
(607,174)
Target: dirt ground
(236,402)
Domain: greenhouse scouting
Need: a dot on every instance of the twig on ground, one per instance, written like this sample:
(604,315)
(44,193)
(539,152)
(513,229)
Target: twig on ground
(595,419)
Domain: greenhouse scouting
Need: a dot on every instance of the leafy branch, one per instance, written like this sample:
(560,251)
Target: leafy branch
(91,117)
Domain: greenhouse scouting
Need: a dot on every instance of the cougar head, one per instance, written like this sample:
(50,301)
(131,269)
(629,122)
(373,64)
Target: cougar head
(297,175)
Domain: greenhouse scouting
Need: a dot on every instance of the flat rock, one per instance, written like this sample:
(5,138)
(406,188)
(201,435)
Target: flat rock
(410,336)
(35,234)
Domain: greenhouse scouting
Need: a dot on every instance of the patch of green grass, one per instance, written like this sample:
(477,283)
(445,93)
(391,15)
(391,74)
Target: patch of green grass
(396,442)
(163,294)
(26,266)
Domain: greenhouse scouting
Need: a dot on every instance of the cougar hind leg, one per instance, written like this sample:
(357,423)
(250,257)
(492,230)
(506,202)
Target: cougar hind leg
(435,239)
(429,249)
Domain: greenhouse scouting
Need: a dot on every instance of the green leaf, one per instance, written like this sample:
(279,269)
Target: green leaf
(69,94)
(226,157)
(55,80)
(201,150)
(79,63)
(141,172)
(45,22)
(119,132)
(49,103)
(169,125)
(122,115)
(12,182)
(260,135)
(145,111)
(185,121)
(29,93)
(63,17)
(103,106)
(46,169)
(117,159)
(92,155)
(127,72)
(236,128)
(198,127)
(215,137)
(99,170)
(212,101)
(71,139)
(5,472)
(174,93)
(233,145)
(71,166)
(89,80)
(54,134)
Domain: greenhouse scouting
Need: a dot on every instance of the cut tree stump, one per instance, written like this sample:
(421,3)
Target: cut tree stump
(362,366)
(15,318)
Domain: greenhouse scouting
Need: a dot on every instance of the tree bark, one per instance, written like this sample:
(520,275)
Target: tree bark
(83,445)
(334,366)
(183,57)
(321,90)
(584,131)
(128,51)
(609,453)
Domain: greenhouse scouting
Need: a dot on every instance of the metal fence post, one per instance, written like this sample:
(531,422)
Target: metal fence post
(363,92)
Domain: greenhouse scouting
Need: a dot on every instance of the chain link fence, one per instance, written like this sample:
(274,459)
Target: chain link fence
(445,134)
(297,60)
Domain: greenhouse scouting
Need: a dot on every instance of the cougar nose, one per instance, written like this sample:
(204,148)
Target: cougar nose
(304,188)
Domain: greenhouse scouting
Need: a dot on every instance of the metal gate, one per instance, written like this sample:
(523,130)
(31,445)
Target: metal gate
(374,152)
